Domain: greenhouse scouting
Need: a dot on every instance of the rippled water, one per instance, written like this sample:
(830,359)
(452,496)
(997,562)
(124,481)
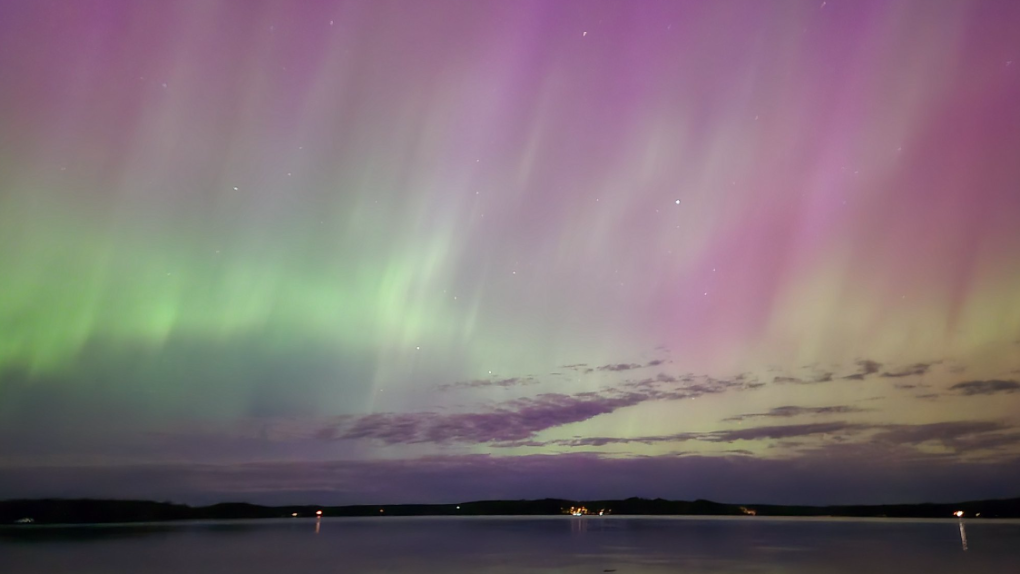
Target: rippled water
(502,545)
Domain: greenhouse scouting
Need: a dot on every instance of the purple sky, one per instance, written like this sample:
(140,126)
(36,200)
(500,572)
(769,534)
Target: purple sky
(392,251)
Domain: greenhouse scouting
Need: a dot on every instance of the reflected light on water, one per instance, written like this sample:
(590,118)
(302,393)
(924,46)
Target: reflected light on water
(501,545)
(578,525)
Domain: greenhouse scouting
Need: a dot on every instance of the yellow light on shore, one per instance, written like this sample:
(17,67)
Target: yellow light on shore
(318,513)
(958,514)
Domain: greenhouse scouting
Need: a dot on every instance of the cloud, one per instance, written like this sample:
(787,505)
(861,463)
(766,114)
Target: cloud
(912,370)
(866,367)
(783,431)
(869,367)
(959,436)
(520,419)
(818,378)
(941,432)
(483,383)
(989,387)
(514,420)
(688,385)
(620,367)
(613,367)
(723,436)
(792,411)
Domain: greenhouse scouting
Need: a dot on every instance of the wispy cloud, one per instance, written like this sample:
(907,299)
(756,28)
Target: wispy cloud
(484,383)
(520,419)
(689,385)
(912,370)
(793,411)
(817,378)
(865,368)
(620,367)
(989,387)
(613,367)
(958,436)
(723,436)
(513,420)
(783,431)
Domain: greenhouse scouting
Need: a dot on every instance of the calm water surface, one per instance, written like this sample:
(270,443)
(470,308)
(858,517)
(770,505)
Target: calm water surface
(503,545)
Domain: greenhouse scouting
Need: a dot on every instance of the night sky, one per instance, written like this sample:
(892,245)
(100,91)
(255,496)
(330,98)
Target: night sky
(389,251)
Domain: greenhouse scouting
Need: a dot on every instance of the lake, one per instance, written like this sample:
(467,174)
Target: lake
(627,545)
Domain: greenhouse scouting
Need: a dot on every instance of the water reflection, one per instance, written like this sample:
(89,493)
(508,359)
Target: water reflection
(566,544)
(578,524)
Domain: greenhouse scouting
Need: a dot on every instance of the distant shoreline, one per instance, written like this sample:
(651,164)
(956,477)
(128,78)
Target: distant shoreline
(28,513)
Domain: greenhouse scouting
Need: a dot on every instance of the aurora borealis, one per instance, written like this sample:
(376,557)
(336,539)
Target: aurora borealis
(393,251)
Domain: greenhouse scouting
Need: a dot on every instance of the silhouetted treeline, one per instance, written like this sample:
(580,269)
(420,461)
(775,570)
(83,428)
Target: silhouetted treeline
(62,511)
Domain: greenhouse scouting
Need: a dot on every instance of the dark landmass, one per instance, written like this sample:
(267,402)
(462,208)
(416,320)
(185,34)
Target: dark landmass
(88,511)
